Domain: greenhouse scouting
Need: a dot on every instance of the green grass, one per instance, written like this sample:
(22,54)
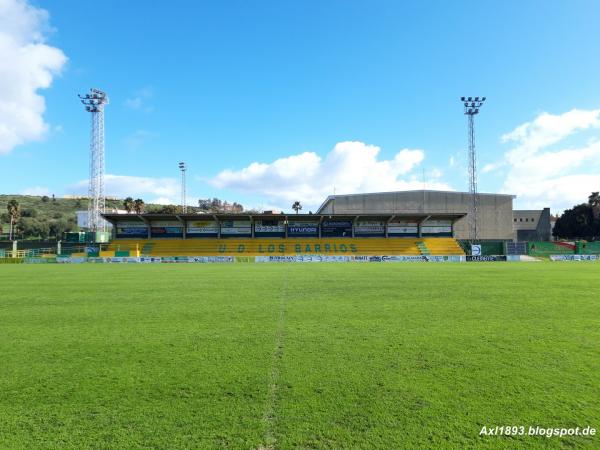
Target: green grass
(297,355)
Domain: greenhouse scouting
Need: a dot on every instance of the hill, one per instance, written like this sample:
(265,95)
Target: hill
(44,217)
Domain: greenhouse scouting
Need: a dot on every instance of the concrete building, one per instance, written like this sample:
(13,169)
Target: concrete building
(532,224)
(495,216)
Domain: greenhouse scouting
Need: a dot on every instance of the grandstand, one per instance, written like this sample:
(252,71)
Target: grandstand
(388,223)
(280,234)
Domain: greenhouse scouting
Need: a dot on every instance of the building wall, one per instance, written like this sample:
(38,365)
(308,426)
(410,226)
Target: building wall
(532,225)
(495,217)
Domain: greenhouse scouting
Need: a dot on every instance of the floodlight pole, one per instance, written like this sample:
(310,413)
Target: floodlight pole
(183,200)
(472,106)
(94,103)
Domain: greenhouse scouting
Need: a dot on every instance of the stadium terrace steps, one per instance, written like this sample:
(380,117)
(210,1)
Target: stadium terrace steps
(290,246)
(423,248)
(442,246)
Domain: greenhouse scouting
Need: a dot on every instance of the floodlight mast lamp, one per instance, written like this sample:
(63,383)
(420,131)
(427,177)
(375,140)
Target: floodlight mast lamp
(94,103)
(183,199)
(472,106)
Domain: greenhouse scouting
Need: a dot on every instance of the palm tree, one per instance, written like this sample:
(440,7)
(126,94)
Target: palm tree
(128,204)
(297,206)
(594,202)
(139,206)
(13,212)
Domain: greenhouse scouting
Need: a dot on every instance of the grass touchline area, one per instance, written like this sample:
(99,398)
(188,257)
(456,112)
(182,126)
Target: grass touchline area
(289,356)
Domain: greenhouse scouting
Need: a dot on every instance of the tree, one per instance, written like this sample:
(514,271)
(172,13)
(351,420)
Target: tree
(216,205)
(128,205)
(577,223)
(13,212)
(45,199)
(29,212)
(58,227)
(139,206)
(204,204)
(297,206)
(168,209)
(594,202)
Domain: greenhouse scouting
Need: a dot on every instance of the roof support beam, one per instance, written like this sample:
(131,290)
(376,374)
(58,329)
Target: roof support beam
(354,224)
(218,226)
(387,222)
(420,224)
(183,225)
(147,222)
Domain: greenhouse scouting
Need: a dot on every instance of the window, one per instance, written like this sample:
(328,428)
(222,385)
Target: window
(520,219)
(515,219)
(532,219)
(526,219)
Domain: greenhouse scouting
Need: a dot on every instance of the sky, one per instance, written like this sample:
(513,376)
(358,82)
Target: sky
(269,102)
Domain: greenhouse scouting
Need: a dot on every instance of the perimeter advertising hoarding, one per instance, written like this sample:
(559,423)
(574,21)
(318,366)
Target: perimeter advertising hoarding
(131,229)
(166,228)
(339,228)
(303,229)
(238,228)
(573,257)
(486,258)
(204,228)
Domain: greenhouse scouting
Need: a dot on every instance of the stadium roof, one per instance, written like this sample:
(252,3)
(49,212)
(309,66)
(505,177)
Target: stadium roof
(111,217)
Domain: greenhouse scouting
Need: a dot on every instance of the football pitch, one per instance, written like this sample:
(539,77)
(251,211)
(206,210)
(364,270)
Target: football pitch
(285,356)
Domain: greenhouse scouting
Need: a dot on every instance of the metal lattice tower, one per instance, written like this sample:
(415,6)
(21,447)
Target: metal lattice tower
(472,106)
(94,103)
(183,200)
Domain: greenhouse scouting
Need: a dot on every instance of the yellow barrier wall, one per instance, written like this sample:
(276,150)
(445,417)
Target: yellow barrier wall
(290,246)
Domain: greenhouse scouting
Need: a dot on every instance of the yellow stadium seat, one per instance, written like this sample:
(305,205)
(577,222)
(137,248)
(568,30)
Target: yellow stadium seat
(290,246)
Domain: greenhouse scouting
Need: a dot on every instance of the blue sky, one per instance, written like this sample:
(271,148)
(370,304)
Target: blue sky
(273,101)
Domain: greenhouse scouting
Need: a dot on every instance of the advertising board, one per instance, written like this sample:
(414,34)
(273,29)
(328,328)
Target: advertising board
(302,229)
(236,227)
(131,229)
(340,228)
(202,228)
(166,228)
(369,228)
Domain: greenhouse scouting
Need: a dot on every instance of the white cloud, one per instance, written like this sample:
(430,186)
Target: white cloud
(139,100)
(558,178)
(350,167)
(28,64)
(36,190)
(163,201)
(161,190)
(491,167)
(548,129)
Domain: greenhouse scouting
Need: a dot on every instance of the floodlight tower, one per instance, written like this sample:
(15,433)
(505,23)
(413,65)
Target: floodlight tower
(94,103)
(472,106)
(183,202)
